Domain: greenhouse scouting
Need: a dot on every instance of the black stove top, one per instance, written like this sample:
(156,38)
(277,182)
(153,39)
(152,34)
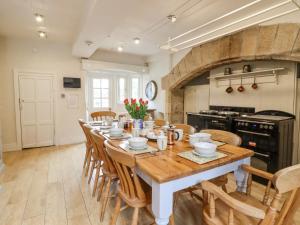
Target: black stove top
(265,117)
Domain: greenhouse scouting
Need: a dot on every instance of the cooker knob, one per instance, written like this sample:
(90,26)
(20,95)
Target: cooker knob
(266,126)
(261,126)
(271,127)
(246,124)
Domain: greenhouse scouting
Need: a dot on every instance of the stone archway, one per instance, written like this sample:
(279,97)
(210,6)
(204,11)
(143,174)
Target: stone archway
(277,42)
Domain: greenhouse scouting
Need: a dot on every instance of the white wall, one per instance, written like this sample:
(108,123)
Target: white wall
(274,96)
(196,98)
(40,55)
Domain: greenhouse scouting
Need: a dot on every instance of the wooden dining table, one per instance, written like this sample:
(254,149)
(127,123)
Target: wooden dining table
(167,173)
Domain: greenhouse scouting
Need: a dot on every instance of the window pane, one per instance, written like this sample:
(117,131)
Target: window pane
(104,83)
(104,93)
(121,89)
(97,103)
(135,87)
(96,93)
(96,83)
(105,103)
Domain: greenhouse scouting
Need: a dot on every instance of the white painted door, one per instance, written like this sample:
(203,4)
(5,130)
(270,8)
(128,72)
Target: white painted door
(36,107)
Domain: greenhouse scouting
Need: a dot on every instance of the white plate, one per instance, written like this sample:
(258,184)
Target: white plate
(214,154)
(116,135)
(138,148)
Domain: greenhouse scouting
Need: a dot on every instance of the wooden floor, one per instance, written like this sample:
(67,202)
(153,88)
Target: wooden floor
(45,186)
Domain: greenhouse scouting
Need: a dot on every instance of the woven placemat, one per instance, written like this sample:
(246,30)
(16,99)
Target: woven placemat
(198,159)
(218,143)
(149,149)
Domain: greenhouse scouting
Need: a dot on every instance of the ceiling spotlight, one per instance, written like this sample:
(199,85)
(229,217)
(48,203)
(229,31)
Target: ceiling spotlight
(173,18)
(120,49)
(39,18)
(42,34)
(137,40)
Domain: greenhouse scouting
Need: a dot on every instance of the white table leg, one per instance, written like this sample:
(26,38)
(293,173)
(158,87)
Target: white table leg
(162,202)
(241,177)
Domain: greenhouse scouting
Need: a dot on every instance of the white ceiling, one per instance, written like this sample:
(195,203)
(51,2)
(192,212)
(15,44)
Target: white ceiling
(61,18)
(110,23)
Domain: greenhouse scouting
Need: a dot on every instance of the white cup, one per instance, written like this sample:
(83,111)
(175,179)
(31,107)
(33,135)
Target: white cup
(135,132)
(193,139)
(178,134)
(162,142)
(149,124)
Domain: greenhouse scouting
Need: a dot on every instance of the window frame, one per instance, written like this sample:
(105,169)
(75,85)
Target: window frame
(114,99)
(91,90)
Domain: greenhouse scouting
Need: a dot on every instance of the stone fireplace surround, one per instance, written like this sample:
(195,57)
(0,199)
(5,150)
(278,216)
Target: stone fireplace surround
(273,42)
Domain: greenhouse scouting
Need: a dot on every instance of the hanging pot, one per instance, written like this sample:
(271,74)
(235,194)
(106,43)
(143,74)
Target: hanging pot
(254,85)
(229,89)
(241,87)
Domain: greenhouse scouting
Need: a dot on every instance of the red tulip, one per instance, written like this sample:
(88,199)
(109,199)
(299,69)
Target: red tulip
(140,100)
(126,101)
(146,102)
(137,108)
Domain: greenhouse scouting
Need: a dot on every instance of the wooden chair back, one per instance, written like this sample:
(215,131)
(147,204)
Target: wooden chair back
(224,136)
(187,129)
(286,183)
(98,144)
(82,123)
(159,122)
(130,184)
(87,129)
(103,115)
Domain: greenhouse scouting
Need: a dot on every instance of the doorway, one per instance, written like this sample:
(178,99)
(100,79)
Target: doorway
(35,109)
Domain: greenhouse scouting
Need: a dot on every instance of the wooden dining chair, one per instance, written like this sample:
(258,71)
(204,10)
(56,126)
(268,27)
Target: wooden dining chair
(221,181)
(187,129)
(103,115)
(242,208)
(224,136)
(159,122)
(132,190)
(228,138)
(97,161)
(109,176)
(88,148)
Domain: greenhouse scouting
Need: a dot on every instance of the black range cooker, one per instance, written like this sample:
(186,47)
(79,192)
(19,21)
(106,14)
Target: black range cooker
(268,133)
(217,117)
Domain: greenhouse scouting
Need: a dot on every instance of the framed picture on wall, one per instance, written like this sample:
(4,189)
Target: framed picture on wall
(151,90)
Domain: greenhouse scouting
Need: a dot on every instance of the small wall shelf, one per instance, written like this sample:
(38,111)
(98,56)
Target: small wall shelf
(253,74)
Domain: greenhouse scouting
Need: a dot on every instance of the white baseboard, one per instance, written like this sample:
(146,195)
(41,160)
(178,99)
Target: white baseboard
(10,147)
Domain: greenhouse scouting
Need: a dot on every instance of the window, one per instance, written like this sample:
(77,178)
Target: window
(135,88)
(100,93)
(121,89)
(108,89)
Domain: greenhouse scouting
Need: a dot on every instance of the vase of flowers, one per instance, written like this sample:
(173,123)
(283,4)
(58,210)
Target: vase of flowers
(137,110)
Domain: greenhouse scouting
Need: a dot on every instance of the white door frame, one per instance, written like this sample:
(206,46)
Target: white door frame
(25,72)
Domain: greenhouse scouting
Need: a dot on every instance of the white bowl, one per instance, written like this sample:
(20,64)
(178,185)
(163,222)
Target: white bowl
(137,142)
(205,148)
(116,131)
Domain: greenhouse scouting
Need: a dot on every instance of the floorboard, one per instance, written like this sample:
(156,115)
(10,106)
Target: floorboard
(45,186)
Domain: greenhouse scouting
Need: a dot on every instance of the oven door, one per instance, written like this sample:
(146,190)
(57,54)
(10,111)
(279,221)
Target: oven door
(261,161)
(264,147)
